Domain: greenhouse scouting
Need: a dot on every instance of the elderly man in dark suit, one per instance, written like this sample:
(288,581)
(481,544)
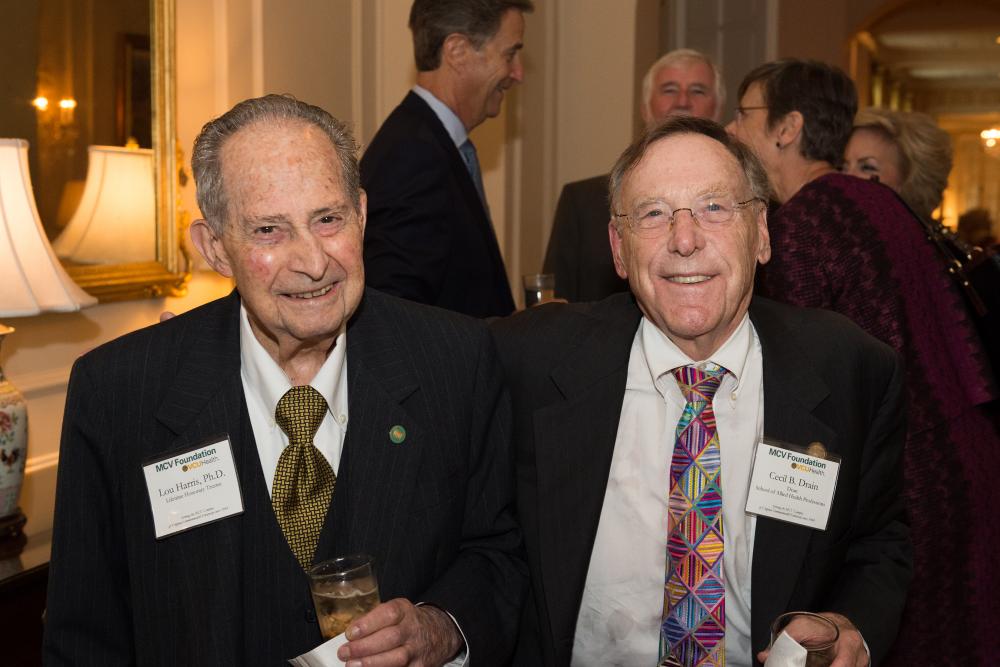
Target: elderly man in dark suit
(683,81)
(208,461)
(638,421)
(430,237)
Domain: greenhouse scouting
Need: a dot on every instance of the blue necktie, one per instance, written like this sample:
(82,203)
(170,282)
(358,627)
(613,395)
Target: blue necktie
(471,160)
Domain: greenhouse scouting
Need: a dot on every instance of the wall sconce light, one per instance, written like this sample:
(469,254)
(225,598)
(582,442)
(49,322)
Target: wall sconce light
(56,125)
(991,141)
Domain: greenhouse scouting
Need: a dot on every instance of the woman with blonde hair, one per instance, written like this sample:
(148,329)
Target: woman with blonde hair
(905,150)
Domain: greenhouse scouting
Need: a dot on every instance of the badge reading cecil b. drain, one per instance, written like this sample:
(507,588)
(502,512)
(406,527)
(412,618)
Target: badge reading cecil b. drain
(794,484)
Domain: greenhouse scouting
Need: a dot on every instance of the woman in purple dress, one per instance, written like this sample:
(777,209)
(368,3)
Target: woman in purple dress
(850,245)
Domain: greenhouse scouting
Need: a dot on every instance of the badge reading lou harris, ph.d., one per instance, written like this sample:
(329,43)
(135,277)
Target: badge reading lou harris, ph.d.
(193,487)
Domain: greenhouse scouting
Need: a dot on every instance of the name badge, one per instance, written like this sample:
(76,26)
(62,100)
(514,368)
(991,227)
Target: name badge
(793,484)
(194,487)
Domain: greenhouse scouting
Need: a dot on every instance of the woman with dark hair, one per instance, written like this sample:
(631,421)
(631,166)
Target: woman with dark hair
(850,245)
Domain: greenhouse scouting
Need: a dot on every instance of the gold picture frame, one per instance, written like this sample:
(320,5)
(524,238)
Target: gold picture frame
(169,274)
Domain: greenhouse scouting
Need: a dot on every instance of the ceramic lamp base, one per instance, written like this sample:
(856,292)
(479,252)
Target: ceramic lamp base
(12,537)
(13,440)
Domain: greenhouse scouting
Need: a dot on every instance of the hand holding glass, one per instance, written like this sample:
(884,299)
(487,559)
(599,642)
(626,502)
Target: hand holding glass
(343,589)
(815,633)
(539,288)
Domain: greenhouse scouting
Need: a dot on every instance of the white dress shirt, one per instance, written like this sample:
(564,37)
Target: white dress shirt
(264,383)
(622,606)
(452,123)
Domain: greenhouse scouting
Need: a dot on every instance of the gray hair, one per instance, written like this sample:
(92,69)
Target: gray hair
(206,157)
(684,57)
(924,152)
(751,167)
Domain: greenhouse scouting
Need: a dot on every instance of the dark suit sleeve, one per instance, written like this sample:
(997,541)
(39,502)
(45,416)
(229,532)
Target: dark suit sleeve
(484,587)
(871,588)
(89,611)
(407,238)
(562,257)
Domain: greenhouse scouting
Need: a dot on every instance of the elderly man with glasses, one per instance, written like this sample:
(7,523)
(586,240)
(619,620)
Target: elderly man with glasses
(681,82)
(694,462)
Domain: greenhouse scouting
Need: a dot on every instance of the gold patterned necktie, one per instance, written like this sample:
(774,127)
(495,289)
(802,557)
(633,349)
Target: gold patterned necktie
(304,481)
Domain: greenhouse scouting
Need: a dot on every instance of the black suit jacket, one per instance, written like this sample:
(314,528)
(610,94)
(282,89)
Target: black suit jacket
(579,253)
(429,238)
(434,510)
(824,380)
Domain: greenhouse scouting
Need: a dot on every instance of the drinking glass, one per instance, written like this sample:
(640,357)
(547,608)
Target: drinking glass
(343,589)
(538,288)
(816,634)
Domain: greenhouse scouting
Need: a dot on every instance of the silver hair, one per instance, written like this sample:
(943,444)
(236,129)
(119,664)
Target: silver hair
(206,157)
(750,166)
(684,57)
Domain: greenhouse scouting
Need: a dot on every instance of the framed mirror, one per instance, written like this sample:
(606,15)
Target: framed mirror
(90,84)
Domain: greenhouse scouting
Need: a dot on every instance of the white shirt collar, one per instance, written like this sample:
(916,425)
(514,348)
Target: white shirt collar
(662,355)
(270,383)
(451,122)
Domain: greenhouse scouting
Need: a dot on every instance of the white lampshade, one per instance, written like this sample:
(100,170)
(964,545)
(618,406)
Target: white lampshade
(114,221)
(31,278)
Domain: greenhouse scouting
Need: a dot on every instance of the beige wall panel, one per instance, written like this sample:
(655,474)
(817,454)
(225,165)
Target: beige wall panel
(595,85)
(307,52)
(814,29)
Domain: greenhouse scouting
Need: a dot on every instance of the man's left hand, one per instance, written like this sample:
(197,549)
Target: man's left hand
(849,651)
(399,634)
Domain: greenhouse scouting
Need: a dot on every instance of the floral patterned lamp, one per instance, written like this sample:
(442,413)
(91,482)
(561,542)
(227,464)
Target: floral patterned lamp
(31,282)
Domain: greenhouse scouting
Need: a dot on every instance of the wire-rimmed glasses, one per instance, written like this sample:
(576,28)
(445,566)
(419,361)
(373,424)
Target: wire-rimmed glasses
(651,218)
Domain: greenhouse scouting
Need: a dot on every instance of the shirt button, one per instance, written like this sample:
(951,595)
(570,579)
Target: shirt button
(341,419)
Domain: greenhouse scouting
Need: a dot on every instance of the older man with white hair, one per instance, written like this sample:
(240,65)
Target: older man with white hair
(683,81)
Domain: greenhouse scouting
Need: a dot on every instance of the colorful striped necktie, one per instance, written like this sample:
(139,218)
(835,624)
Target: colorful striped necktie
(303,481)
(694,598)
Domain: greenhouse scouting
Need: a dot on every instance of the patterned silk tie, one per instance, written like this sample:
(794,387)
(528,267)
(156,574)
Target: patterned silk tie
(471,160)
(694,600)
(303,481)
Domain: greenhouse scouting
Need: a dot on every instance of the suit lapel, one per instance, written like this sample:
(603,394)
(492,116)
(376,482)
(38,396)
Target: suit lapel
(574,443)
(791,392)
(376,474)
(413,102)
(206,401)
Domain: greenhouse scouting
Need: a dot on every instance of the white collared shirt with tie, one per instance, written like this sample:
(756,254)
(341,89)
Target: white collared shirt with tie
(264,383)
(622,606)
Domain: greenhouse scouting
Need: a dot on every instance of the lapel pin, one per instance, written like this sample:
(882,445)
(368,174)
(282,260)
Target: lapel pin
(817,450)
(397,434)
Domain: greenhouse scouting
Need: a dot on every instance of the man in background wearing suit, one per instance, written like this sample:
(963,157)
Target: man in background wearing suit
(683,81)
(336,419)
(637,421)
(430,237)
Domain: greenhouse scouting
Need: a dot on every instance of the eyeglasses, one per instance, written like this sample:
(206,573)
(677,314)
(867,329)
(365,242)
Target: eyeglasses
(651,218)
(741,112)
